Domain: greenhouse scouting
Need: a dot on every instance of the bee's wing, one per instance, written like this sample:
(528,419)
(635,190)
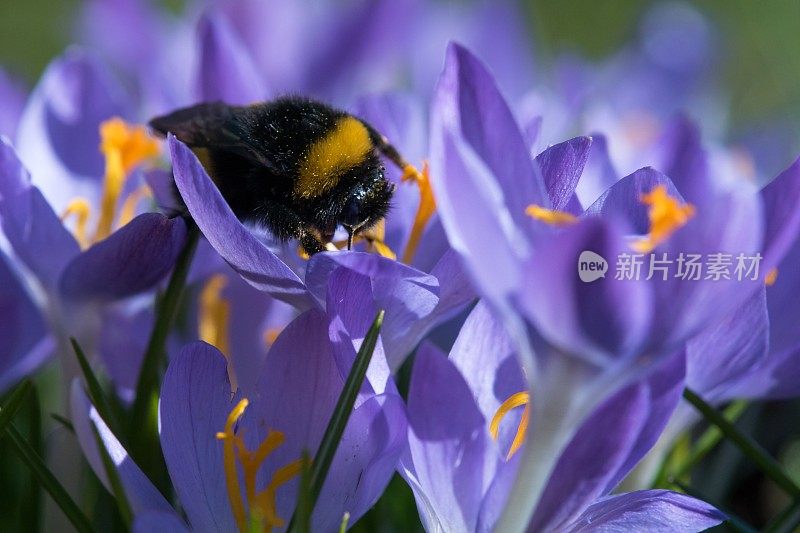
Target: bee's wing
(212,125)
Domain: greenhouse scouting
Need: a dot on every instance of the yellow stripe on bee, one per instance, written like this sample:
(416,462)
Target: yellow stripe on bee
(343,148)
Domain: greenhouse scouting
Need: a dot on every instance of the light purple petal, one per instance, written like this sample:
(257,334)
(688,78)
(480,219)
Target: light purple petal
(594,320)
(59,136)
(226,71)
(451,458)
(240,248)
(781,198)
(129,261)
(657,511)
(34,231)
(599,173)
(684,160)
(141,493)
(561,166)
(592,458)
(195,403)
(122,346)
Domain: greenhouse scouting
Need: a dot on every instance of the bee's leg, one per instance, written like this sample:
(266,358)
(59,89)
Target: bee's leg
(391,153)
(310,243)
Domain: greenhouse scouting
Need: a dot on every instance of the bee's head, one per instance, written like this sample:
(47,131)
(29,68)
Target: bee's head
(367,201)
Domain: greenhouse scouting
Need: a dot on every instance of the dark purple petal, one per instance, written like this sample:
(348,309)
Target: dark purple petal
(594,320)
(131,260)
(34,231)
(26,341)
(142,494)
(123,342)
(598,174)
(59,137)
(226,71)
(159,522)
(195,403)
(782,304)
(561,166)
(240,248)
(723,360)
(684,160)
(657,511)
(592,458)
(451,458)
(781,198)
(665,387)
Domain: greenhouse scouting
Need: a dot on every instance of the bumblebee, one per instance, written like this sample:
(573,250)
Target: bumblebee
(296,166)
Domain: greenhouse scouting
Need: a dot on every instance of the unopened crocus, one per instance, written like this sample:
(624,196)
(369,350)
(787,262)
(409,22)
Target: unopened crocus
(467,425)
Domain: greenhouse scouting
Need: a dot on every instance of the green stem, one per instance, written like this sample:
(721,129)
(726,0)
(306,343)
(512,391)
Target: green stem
(13,404)
(749,447)
(339,418)
(48,480)
(143,429)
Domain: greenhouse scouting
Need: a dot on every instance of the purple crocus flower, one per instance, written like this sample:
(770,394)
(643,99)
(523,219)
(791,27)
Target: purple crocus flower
(59,132)
(590,333)
(13,95)
(460,430)
(204,424)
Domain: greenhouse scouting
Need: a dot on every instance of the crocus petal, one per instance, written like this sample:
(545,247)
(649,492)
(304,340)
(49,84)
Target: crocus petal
(34,231)
(781,198)
(131,260)
(684,160)
(141,493)
(59,134)
(122,346)
(561,166)
(159,523)
(781,302)
(594,320)
(592,458)
(195,403)
(659,511)
(722,361)
(226,71)
(599,173)
(481,173)
(238,246)
(451,459)
(25,340)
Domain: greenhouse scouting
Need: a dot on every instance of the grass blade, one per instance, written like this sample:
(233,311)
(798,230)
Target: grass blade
(95,390)
(13,404)
(341,414)
(113,478)
(749,447)
(48,481)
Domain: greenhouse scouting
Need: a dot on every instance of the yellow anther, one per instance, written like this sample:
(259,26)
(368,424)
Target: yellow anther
(666,215)
(271,335)
(79,207)
(426,209)
(550,216)
(124,147)
(262,507)
(516,400)
(128,210)
(771,277)
(214,319)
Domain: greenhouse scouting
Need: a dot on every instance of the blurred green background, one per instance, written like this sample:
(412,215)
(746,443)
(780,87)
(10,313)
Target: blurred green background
(760,41)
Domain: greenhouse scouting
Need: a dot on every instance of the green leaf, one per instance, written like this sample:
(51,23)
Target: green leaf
(748,446)
(95,391)
(341,415)
(303,510)
(113,478)
(13,404)
(48,481)
(63,421)
(143,429)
